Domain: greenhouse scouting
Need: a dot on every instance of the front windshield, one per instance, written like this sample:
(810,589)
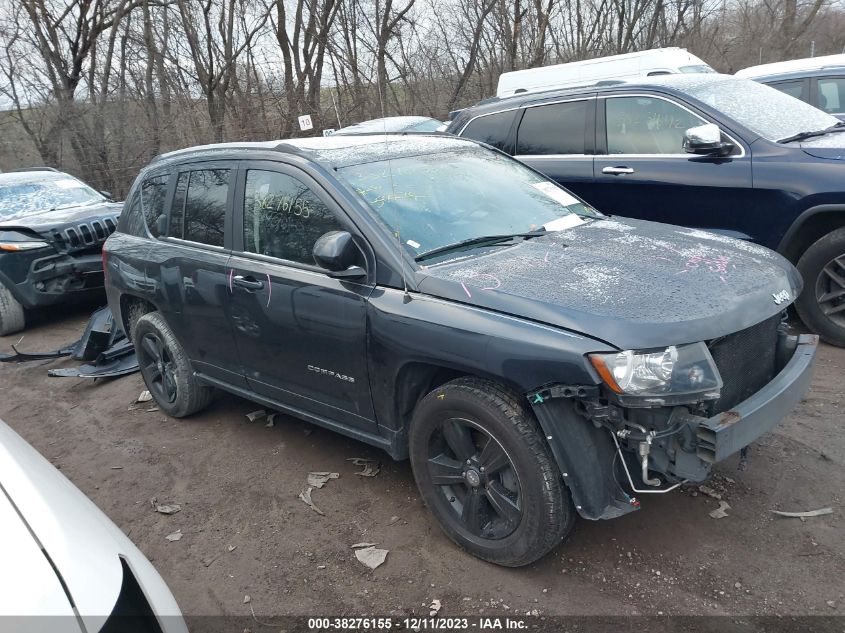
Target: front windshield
(697,68)
(426,126)
(770,113)
(434,200)
(30,197)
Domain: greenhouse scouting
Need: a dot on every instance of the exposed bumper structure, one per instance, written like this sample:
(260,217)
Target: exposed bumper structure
(58,277)
(727,433)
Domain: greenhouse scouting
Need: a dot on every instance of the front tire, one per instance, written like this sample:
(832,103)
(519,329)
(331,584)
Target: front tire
(486,473)
(11,312)
(166,369)
(821,305)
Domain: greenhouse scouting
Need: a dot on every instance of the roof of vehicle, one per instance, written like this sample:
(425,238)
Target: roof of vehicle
(386,125)
(333,151)
(33,175)
(667,83)
(794,67)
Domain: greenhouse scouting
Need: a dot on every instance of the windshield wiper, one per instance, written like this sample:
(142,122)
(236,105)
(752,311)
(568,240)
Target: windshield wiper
(484,240)
(838,127)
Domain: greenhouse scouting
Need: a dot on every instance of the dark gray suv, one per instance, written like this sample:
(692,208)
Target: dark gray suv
(534,359)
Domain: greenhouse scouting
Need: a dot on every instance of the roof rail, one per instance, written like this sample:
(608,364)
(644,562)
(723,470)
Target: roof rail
(41,168)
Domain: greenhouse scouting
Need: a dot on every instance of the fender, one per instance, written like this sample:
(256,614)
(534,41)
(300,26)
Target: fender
(802,219)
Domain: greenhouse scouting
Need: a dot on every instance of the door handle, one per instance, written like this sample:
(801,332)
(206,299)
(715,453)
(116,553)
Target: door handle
(247,283)
(617,171)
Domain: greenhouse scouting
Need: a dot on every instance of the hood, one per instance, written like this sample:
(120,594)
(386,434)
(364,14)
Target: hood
(71,229)
(633,284)
(831,146)
(83,544)
(61,217)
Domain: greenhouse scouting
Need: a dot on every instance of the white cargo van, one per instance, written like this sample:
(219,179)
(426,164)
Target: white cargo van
(658,61)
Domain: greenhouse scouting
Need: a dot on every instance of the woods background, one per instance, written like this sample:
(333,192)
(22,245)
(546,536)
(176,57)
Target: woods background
(98,87)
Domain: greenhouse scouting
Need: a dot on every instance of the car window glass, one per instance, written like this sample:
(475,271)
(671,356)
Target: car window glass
(283,217)
(491,129)
(557,128)
(792,88)
(645,125)
(832,94)
(134,216)
(204,207)
(153,194)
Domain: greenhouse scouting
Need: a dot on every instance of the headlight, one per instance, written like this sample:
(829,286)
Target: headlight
(22,246)
(673,370)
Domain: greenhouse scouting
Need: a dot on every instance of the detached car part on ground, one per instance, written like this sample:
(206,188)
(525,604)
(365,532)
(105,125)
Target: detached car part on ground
(535,359)
(52,227)
(102,342)
(712,152)
(66,567)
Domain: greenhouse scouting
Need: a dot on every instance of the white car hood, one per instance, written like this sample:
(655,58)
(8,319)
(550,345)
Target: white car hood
(83,544)
(28,583)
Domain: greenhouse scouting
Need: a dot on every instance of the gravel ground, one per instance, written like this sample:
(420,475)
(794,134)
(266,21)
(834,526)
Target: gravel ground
(246,532)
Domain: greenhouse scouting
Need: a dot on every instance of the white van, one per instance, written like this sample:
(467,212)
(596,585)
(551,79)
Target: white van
(658,61)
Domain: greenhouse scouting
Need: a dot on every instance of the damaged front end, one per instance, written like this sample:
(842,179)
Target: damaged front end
(664,417)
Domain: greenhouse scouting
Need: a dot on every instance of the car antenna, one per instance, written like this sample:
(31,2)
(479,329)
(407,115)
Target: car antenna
(398,232)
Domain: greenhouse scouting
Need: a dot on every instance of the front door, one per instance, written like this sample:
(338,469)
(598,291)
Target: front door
(301,335)
(642,171)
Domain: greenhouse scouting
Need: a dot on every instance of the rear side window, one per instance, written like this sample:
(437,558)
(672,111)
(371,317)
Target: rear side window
(153,196)
(283,218)
(832,94)
(792,88)
(199,206)
(491,129)
(556,128)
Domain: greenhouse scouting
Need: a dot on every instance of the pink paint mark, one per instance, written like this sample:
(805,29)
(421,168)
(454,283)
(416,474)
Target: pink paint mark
(466,290)
(231,272)
(269,291)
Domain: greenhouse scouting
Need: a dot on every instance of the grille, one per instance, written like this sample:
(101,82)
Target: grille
(87,234)
(746,360)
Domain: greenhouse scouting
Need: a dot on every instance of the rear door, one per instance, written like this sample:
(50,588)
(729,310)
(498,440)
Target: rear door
(193,273)
(301,335)
(642,171)
(558,139)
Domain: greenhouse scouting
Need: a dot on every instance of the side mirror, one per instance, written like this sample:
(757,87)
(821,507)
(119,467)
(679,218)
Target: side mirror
(107,195)
(707,140)
(336,252)
(161,224)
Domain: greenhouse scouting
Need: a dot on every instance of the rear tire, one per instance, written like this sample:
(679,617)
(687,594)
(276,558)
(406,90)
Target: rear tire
(12,317)
(166,369)
(821,305)
(486,473)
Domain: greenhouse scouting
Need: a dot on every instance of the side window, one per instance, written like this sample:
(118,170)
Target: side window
(491,129)
(646,125)
(283,218)
(792,88)
(153,195)
(199,206)
(832,94)
(557,128)
(133,216)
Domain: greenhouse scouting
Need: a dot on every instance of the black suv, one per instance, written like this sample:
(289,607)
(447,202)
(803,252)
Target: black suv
(440,300)
(52,227)
(706,151)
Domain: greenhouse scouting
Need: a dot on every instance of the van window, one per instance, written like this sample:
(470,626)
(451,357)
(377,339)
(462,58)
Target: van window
(153,195)
(832,94)
(492,129)
(557,128)
(199,206)
(645,125)
(283,218)
(792,88)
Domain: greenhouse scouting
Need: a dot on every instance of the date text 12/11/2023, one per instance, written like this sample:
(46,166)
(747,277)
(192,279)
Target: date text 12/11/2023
(479,623)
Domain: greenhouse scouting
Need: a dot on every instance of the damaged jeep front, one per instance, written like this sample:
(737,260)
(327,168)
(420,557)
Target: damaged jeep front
(663,417)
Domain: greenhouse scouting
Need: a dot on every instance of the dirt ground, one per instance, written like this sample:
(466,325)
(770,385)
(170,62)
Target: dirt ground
(237,483)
